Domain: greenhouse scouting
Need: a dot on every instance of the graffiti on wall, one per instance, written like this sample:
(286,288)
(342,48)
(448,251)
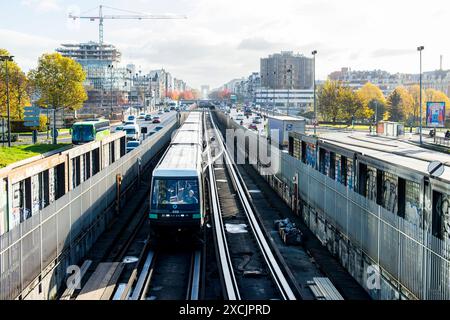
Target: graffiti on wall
(371,183)
(443,209)
(350,173)
(338,168)
(413,211)
(311,155)
(390,192)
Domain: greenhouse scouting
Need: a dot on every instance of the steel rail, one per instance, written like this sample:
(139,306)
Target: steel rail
(275,270)
(229,283)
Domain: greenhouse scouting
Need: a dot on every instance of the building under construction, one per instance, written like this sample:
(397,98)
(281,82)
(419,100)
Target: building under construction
(105,82)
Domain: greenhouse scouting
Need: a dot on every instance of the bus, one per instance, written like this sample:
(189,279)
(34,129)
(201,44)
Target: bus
(90,130)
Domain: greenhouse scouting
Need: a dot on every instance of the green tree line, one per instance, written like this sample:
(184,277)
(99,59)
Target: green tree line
(340,103)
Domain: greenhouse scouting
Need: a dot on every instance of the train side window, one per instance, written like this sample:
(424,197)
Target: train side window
(441,215)
(95,161)
(332,173)
(59,175)
(401,197)
(303,152)
(363,179)
(380,184)
(437,214)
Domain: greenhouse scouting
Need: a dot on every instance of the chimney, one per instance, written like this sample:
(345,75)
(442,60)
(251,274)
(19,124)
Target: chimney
(440,65)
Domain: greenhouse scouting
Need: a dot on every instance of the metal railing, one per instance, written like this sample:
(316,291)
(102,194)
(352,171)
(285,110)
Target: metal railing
(415,261)
(60,234)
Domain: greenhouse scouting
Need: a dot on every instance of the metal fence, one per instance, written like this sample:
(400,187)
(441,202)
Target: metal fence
(414,261)
(64,231)
(442,141)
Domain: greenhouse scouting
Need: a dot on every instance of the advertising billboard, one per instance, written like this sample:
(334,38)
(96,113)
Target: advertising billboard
(436,114)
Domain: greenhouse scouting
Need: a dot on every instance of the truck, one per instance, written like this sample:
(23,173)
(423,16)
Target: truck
(283,125)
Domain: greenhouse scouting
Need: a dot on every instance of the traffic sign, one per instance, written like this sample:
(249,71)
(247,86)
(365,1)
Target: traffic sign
(31,116)
(31,123)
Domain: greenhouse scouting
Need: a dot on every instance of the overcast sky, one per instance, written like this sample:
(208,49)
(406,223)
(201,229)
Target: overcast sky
(222,40)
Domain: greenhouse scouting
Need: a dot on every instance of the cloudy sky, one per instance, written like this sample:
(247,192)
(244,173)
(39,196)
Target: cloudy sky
(222,40)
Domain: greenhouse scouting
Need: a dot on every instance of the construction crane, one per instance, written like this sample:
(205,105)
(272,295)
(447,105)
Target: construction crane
(131,16)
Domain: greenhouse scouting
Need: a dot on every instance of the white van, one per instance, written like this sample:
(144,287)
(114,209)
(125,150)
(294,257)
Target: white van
(132,132)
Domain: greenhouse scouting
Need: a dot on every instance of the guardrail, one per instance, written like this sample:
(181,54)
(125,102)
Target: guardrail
(442,141)
(35,255)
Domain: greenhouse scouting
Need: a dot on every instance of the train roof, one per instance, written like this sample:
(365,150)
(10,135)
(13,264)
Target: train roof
(187,137)
(383,152)
(191,127)
(180,161)
(194,117)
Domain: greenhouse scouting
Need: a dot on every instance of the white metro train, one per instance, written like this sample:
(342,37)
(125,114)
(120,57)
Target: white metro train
(177,197)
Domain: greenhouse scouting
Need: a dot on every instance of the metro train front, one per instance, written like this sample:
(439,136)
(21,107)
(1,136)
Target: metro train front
(177,197)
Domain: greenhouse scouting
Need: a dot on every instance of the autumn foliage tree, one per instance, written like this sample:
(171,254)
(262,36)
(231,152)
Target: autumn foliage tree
(59,82)
(373,100)
(18,88)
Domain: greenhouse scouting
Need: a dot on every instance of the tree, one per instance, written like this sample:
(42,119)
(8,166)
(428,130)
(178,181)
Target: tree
(406,105)
(18,88)
(373,99)
(351,105)
(59,82)
(414,91)
(432,95)
(394,102)
(328,104)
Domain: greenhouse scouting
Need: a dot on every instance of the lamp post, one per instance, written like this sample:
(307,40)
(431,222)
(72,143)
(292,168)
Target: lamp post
(314,85)
(111,69)
(6,59)
(420,93)
(289,87)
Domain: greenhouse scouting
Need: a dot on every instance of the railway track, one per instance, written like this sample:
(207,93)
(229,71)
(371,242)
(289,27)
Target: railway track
(249,268)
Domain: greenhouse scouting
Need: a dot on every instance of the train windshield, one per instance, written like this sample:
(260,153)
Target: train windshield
(176,194)
(83,133)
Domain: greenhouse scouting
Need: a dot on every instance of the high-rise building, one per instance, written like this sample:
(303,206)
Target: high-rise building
(105,82)
(286,70)
(204,89)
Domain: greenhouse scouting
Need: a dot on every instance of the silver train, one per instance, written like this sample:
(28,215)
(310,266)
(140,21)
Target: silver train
(177,190)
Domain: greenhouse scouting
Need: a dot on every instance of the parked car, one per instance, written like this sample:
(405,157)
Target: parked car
(148,117)
(158,128)
(156,120)
(252,126)
(160,112)
(119,128)
(166,110)
(141,116)
(131,145)
(240,117)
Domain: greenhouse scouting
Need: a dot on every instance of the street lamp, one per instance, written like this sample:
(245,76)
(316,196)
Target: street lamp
(111,69)
(420,93)
(289,87)
(6,59)
(314,93)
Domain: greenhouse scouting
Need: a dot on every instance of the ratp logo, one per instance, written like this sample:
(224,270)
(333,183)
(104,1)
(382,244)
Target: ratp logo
(74,280)
(373,277)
